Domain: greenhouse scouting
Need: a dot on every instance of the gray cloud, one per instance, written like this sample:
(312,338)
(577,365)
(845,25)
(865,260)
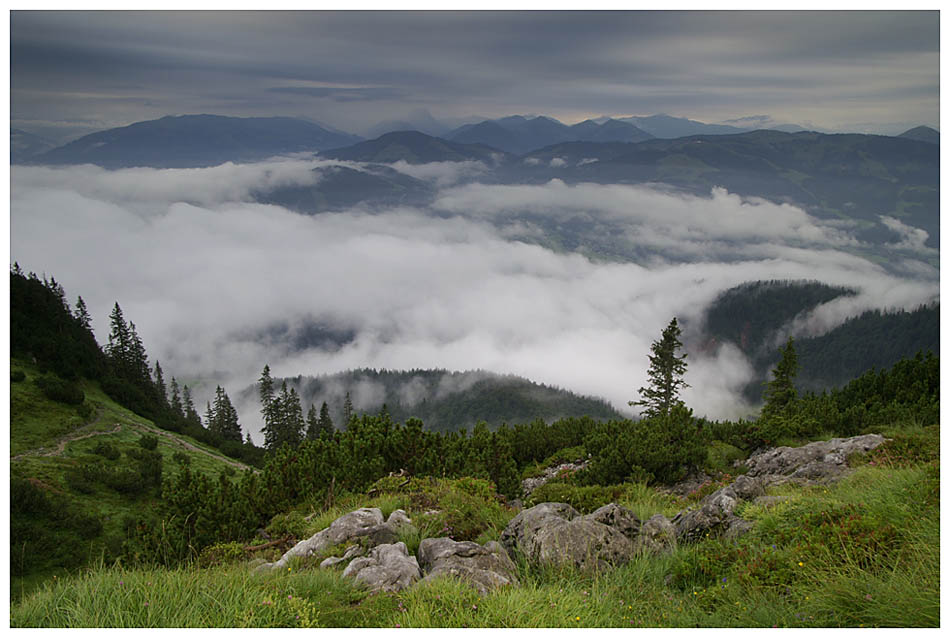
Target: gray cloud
(122,67)
(203,279)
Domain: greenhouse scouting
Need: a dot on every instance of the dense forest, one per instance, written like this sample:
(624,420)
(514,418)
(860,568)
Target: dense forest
(445,400)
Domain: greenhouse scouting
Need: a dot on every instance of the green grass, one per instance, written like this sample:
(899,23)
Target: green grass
(816,560)
(39,425)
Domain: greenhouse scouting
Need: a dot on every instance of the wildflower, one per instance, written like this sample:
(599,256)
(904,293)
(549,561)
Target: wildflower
(146,604)
(289,597)
(867,597)
(288,569)
(577,617)
(801,564)
(475,607)
(398,625)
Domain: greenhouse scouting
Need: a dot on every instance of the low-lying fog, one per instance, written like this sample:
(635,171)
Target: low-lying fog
(206,274)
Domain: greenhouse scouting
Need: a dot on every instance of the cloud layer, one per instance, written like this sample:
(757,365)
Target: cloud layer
(207,275)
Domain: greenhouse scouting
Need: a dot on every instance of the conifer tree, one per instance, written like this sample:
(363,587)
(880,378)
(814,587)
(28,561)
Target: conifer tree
(313,427)
(780,393)
(160,388)
(82,314)
(191,415)
(325,423)
(177,408)
(347,409)
(666,374)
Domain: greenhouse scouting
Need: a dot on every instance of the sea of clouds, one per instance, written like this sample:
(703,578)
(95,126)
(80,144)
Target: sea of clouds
(204,271)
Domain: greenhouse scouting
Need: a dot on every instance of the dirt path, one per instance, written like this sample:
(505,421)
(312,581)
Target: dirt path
(61,443)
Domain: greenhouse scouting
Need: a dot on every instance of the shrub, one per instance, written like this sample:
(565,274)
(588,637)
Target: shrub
(106,450)
(85,411)
(16,376)
(289,524)
(221,554)
(583,499)
(181,458)
(148,442)
(59,390)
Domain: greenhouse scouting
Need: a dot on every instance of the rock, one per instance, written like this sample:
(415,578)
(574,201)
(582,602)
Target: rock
(714,515)
(333,561)
(483,566)
(747,488)
(356,523)
(528,485)
(818,461)
(657,535)
(386,568)
(527,522)
(737,527)
(556,533)
(620,518)
(398,521)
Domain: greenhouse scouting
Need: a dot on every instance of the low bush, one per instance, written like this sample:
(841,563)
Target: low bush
(584,499)
(106,450)
(16,376)
(148,442)
(221,554)
(289,524)
(59,390)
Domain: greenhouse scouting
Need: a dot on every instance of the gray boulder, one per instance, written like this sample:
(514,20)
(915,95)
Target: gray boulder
(364,522)
(819,461)
(619,518)
(386,568)
(333,561)
(714,515)
(483,566)
(657,536)
(556,533)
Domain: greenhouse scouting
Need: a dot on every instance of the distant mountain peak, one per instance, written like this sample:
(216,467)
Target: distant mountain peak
(922,134)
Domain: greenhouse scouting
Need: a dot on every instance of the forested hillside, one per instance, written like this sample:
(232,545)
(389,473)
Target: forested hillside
(445,400)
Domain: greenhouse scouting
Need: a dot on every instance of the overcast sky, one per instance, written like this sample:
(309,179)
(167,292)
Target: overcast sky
(76,72)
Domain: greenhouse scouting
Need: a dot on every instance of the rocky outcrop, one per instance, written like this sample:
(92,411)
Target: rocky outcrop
(387,568)
(657,536)
(819,461)
(483,566)
(529,485)
(556,533)
(366,522)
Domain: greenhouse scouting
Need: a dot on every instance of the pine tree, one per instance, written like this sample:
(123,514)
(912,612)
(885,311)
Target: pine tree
(347,409)
(666,374)
(160,388)
(325,423)
(119,344)
(313,427)
(175,404)
(191,415)
(82,314)
(780,393)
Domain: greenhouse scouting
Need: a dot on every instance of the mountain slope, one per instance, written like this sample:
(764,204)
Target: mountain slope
(188,141)
(669,127)
(445,401)
(415,148)
(922,134)
(518,134)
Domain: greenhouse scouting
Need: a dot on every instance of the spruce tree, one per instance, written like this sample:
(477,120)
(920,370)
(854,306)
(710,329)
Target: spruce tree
(347,409)
(666,374)
(191,415)
(160,388)
(313,427)
(82,314)
(177,408)
(780,393)
(325,423)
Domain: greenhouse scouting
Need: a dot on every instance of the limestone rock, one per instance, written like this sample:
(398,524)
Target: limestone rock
(620,518)
(657,535)
(333,561)
(386,568)
(483,566)
(356,523)
(714,515)
(817,461)
(556,533)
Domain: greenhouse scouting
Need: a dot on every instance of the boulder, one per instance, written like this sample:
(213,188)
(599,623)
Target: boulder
(386,568)
(714,515)
(819,461)
(556,533)
(483,566)
(366,521)
(620,518)
(657,536)
(333,561)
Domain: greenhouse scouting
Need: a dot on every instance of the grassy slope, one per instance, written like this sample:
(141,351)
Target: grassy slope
(49,439)
(863,552)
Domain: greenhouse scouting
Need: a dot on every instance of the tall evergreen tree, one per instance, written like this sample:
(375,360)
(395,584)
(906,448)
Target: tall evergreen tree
(120,342)
(191,415)
(347,409)
(177,407)
(160,388)
(82,314)
(666,374)
(313,427)
(780,392)
(325,423)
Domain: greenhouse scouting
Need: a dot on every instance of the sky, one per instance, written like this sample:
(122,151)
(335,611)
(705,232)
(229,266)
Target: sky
(73,73)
